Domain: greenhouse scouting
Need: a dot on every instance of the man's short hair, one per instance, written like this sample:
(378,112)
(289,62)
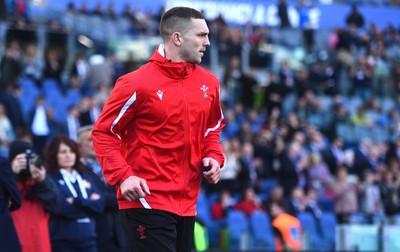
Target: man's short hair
(82,130)
(177,19)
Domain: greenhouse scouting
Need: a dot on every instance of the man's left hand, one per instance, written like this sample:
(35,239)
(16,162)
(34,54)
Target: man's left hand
(213,172)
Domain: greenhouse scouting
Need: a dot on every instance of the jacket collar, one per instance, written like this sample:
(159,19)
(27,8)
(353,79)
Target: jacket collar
(175,70)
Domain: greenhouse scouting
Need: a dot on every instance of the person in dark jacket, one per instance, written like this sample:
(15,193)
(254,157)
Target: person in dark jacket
(283,14)
(10,200)
(39,198)
(73,228)
(109,230)
(355,17)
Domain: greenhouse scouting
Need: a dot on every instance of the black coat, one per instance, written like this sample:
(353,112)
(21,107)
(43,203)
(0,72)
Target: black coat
(109,230)
(287,174)
(9,192)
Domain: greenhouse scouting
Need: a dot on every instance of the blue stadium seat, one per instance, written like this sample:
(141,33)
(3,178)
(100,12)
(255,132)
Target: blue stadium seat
(311,233)
(267,185)
(50,85)
(73,97)
(326,204)
(262,236)
(357,218)
(238,226)
(204,213)
(29,93)
(327,224)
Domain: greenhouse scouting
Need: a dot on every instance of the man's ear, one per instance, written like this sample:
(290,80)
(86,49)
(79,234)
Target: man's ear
(177,38)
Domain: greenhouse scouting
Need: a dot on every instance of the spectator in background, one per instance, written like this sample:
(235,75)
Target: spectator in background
(11,101)
(360,118)
(249,202)
(287,228)
(361,158)
(274,94)
(390,194)
(10,200)
(110,234)
(110,12)
(232,167)
(249,88)
(220,208)
(361,74)
(80,68)
(73,228)
(276,195)
(296,202)
(40,126)
(30,63)
(233,81)
(371,203)
(291,173)
(10,65)
(85,115)
(286,77)
(318,175)
(100,72)
(283,14)
(53,68)
(312,204)
(393,152)
(98,10)
(71,124)
(83,9)
(355,17)
(7,133)
(40,197)
(248,173)
(333,155)
(346,195)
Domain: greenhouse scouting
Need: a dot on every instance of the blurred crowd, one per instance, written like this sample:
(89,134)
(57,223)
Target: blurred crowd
(321,135)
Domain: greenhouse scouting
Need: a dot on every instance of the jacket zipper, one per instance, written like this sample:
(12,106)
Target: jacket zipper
(186,132)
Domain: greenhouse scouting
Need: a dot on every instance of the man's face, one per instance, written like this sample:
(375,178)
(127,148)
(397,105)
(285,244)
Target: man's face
(195,41)
(87,145)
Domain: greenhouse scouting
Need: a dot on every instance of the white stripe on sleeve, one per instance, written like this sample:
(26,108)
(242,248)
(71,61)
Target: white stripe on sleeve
(122,112)
(216,126)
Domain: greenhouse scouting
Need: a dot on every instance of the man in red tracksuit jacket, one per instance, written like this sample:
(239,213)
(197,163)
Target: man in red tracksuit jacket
(159,127)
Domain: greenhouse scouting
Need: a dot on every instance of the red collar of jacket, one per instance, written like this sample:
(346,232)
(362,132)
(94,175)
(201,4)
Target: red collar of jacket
(174,70)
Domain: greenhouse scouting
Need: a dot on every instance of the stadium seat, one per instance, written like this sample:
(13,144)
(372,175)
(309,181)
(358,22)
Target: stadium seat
(357,218)
(204,214)
(327,225)
(326,204)
(239,230)
(262,236)
(29,93)
(311,235)
(267,185)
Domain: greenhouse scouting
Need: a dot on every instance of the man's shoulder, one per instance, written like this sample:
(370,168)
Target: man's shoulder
(138,74)
(204,72)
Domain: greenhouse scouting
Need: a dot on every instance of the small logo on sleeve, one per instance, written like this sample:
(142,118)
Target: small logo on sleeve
(141,230)
(160,94)
(204,88)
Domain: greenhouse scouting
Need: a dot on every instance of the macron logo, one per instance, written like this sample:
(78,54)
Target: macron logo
(160,93)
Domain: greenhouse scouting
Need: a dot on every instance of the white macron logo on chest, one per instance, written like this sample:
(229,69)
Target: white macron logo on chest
(160,94)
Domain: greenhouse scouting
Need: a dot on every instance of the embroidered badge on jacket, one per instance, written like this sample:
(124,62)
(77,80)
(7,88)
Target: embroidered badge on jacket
(204,88)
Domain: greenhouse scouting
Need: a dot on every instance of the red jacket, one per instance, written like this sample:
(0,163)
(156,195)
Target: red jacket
(158,124)
(32,221)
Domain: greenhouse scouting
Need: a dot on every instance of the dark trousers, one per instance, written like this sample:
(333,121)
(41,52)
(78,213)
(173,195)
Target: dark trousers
(150,230)
(68,246)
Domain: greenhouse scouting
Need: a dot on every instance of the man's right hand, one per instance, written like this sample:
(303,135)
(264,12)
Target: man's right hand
(134,188)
